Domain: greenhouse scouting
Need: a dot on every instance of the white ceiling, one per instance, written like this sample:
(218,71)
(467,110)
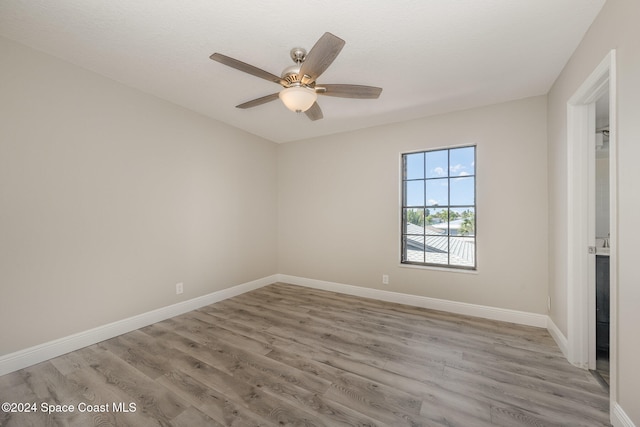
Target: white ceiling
(429,56)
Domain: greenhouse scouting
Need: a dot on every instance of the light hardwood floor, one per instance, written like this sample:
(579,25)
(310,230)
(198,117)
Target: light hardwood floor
(287,355)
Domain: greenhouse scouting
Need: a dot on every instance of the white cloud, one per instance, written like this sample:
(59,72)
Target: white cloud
(439,171)
(463,173)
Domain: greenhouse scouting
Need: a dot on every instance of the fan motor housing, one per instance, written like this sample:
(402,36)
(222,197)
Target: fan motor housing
(291,74)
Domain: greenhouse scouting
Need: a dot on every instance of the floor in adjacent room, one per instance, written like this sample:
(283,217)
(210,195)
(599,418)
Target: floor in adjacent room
(289,355)
(602,368)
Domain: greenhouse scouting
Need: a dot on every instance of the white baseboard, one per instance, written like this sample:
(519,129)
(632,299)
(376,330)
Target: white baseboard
(558,337)
(619,418)
(39,353)
(493,313)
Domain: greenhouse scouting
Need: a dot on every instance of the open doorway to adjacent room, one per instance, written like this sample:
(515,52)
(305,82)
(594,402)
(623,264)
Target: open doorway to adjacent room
(592,226)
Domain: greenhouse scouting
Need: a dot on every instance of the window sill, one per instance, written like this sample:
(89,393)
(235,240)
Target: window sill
(430,267)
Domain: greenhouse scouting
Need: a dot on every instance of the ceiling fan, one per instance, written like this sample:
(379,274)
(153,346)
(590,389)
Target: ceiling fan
(299,81)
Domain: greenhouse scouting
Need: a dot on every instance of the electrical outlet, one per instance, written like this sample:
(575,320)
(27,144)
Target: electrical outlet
(385,279)
(179,288)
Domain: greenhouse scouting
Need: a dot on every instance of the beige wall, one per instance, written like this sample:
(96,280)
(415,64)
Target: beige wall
(109,197)
(339,206)
(616,27)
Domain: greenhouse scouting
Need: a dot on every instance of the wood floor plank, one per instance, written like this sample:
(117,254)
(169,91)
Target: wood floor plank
(52,388)
(547,406)
(95,391)
(569,394)
(297,394)
(288,355)
(153,399)
(211,401)
(244,394)
(233,360)
(194,417)
(575,379)
(359,330)
(149,364)
(451,408)
(19,392)
(201,324)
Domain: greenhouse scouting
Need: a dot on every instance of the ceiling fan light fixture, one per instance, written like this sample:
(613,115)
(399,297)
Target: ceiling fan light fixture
(298,98)
(299,81)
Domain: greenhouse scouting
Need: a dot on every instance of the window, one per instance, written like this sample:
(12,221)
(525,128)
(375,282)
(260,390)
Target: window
(439,208)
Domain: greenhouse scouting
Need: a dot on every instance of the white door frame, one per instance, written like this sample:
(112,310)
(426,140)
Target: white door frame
(580,210)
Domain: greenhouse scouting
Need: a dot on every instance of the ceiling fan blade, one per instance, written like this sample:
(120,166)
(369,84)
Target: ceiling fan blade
(315,112)
(321,55)
(250,69)
(259,101)
(349,91)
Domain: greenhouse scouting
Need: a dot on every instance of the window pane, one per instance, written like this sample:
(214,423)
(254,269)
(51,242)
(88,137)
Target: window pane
(414,195)
(413,248)
(463,221)
(462,251)
(462,191)
(437,163)
(414,217)
(462,161)
(437,221)
(414,166)
(437,248)
(437,192)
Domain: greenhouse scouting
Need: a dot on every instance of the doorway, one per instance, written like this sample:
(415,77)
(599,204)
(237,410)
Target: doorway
(582,245)
(600,185)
